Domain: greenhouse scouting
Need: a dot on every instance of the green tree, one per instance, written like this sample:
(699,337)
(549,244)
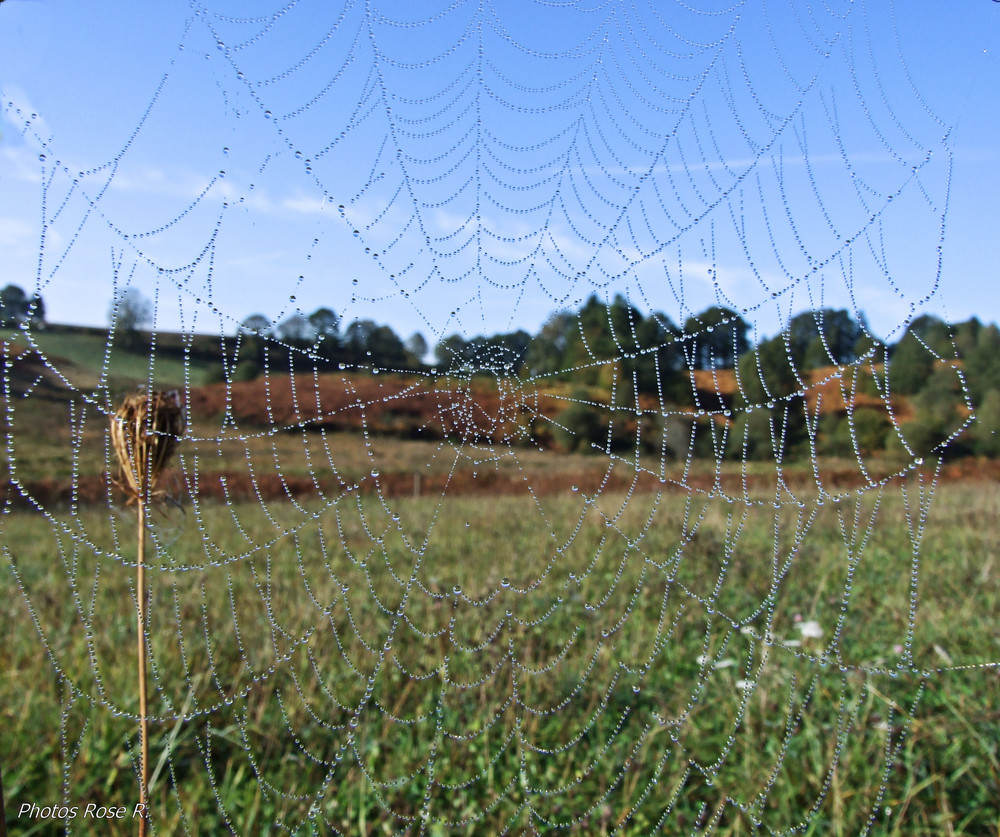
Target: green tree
(367,342)
(717,337)
(130,312)
(938,413)
(981,361)
(862,431)
(451,351)
(14,306)
(295,331)
(773,419)
(546,354)
(823,337)
(583,425)
(256,324)
(416,348)
(935,333)
(659,365)
(387,349)
(251,337)
(985,432)
(325,325)
(911,360)
(767,372)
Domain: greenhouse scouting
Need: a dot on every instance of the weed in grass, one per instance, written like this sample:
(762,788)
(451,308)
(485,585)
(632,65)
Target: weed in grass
(144,433)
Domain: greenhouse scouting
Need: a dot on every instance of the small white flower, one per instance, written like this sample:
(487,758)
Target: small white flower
(745,685)
(701,659)
(810,629)
(792,643)
(727,663)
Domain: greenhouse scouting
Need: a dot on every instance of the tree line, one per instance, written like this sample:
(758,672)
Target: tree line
(618,361)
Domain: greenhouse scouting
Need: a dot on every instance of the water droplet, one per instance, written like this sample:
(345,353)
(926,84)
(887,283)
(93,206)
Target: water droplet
(41,158)
(374,472)
(505,582)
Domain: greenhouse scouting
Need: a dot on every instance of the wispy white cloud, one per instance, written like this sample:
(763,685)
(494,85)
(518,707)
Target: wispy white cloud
(22,116)
(16,232)
(20,164)
(189,185)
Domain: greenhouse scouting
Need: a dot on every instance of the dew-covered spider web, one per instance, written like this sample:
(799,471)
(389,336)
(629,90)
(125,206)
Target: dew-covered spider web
(631,540)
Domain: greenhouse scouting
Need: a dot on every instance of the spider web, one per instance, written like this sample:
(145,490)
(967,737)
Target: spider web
(472,630)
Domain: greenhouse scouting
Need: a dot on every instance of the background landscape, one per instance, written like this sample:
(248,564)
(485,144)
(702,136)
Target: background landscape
(590,417)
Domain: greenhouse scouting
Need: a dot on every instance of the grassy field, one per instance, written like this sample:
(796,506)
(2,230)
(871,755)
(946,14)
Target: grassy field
(573,663)
(87,360)
(434,637)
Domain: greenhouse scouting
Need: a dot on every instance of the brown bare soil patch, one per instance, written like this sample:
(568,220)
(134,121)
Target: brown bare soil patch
(489,410)
(245,487)
(402,409)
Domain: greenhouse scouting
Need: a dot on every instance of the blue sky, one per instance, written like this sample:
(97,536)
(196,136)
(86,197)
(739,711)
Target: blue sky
(465,167)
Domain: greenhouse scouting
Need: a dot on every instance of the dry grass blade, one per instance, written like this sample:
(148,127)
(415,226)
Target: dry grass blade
(144,434)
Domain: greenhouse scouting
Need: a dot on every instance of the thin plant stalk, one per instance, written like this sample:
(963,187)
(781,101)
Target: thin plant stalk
(144,432)
(143,652)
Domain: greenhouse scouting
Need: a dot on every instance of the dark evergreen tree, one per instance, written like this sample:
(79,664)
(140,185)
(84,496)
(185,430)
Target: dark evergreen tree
(295,331)
(717,337)
(823,337)
(325,325)
(547,353)
(416,349)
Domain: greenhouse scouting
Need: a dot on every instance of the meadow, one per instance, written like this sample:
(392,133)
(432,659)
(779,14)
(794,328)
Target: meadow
(582,663)
(384,633)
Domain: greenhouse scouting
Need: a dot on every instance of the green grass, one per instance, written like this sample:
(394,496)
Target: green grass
(87,360)
(519,664)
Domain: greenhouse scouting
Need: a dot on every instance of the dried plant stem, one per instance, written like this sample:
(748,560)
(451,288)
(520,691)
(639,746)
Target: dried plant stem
(144,433)
(143,715)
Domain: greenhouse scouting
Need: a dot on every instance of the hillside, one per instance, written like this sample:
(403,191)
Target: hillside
(306,431)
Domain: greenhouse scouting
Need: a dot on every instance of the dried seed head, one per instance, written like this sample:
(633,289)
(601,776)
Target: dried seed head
(144,434)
